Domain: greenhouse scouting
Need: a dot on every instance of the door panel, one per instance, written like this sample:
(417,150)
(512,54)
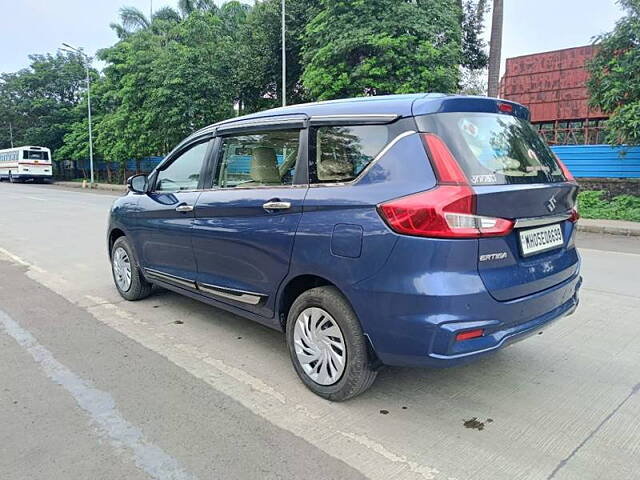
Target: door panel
(245,226)
(165,218)
(164,234)
(242,248)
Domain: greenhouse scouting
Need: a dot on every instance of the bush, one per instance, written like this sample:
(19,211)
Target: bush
(623,207)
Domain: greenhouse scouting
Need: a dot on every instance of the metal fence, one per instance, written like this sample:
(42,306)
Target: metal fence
(109,172)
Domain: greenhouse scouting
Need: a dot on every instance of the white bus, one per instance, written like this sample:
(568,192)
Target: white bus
(25,163)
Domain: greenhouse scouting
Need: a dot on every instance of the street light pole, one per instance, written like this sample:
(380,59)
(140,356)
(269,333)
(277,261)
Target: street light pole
(284,61)
(89,115)
(11,133)
(86,64)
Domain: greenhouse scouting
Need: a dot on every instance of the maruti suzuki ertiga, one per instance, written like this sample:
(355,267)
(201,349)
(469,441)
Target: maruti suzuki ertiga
(423,230)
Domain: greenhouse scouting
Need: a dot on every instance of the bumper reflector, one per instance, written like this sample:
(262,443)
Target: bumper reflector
(468,335)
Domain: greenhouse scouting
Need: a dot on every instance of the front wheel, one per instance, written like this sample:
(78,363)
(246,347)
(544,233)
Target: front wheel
(127,276)
(327,346)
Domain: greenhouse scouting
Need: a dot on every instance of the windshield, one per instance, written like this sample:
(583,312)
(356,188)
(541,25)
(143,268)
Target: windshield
(495,149)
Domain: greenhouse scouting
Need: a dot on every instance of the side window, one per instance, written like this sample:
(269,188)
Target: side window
(342,152)
(184,171)
(258,159)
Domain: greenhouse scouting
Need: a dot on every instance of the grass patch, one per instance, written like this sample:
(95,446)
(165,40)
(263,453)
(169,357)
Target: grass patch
(592,204)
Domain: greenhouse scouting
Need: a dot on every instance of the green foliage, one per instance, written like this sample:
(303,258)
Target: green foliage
(184,68)
(623,207)
(260,54)
(376,47)
(615,77)
(40,101)
(161,87)
(474,55)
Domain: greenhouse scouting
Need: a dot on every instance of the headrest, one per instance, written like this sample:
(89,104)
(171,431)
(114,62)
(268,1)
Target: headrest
(334,169)
(264,166)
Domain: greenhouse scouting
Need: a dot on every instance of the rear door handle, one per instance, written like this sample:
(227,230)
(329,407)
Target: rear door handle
(184,208)
(276,205)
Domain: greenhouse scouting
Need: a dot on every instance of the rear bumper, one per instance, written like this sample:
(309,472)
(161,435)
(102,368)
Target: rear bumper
(413,321)
(25,176)
(498,338)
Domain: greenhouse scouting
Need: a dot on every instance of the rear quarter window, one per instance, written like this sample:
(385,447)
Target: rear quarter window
(495,149)
(341,153)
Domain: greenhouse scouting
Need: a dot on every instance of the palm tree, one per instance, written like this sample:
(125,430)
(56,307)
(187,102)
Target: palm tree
(132,19)
(188,6)
(495,48)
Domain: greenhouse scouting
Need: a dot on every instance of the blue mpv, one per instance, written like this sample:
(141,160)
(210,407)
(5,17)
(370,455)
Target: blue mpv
(414,230)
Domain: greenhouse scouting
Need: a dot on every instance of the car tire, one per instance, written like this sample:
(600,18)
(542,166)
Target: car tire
(306,339)
(123,265)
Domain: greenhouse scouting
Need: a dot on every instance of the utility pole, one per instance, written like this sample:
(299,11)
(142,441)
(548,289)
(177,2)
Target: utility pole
(284,60)
(495,48)
(11,133)
(69,48)
(150,9)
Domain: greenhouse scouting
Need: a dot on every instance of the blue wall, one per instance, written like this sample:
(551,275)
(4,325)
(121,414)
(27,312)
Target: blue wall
(596,161)
(600,161)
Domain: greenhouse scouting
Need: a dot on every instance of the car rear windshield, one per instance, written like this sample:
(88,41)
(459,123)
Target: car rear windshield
(494,149)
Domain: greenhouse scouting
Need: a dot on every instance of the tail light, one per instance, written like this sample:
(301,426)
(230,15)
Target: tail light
(565,171)
(575,216)
(505,107)
(447,211)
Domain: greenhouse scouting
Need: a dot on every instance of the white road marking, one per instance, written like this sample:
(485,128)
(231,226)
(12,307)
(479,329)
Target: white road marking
(101,408)
(373,459)
(20,261)
(427,472)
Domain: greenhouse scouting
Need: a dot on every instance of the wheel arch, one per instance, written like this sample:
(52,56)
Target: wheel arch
(299,284)
(114,234)
(293,288)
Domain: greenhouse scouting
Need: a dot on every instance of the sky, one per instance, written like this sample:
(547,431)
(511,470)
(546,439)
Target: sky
(40,26)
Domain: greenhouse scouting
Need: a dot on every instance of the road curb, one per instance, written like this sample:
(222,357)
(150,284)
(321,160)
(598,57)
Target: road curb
(96,186)
(610,230)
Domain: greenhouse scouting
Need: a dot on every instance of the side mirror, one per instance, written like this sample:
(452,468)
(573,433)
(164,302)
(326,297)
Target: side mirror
(138,183)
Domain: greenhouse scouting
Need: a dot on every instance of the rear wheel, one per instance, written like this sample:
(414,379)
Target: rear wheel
(127,275)
(327,347)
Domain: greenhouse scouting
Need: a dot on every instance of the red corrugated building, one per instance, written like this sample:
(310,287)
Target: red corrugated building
(553,86)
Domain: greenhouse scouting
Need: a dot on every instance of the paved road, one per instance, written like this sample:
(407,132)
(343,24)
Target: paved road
(94,387)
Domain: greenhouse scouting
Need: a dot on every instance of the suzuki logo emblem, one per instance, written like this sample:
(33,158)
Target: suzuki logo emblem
(551,203)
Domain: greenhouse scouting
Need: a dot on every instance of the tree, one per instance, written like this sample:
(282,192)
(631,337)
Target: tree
(375,47)
(474,55)
(614,83)
(259,53)
(180,69)
(40,100)
(162,83)
(132,19)
(495,48)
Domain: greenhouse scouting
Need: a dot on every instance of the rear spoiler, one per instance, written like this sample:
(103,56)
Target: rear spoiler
(454,103)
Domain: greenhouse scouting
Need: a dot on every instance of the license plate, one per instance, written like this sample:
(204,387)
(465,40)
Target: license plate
(540,239)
